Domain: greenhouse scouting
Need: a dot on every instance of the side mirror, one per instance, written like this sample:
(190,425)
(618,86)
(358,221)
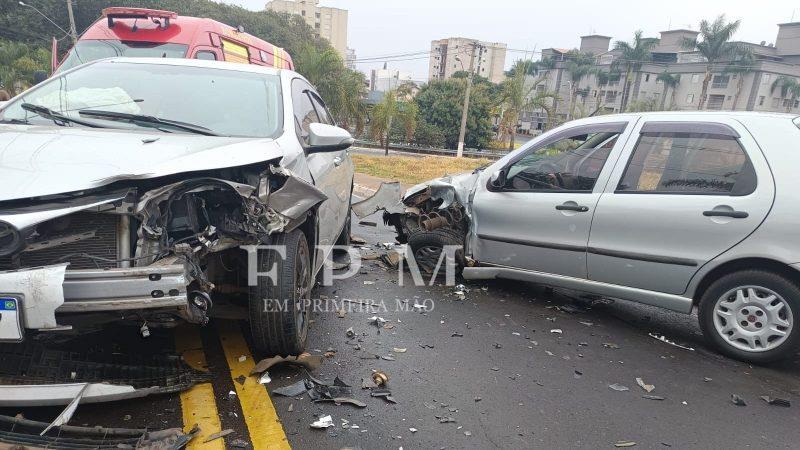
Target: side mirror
(328,138)
(498,179)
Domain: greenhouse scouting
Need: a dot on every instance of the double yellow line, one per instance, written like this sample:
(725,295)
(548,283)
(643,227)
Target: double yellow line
(199,405)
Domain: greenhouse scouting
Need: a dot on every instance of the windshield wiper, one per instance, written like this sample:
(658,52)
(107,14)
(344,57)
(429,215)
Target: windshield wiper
(55,116)
(147,121)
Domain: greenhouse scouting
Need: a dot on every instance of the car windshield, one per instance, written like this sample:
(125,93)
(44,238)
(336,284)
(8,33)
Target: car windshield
(225,102)
(86,51)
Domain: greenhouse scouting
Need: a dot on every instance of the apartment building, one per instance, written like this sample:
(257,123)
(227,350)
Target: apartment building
(385,80)
(732,86)
(329,23)
(454,54)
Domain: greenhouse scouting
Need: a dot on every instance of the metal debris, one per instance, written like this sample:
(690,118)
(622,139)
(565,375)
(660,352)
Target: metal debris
(460,291)
(556,331)
(323,422)
(622,444)
(380,378)
(647,387)
(307,360)
(218,435)
(776,401)
(618,387)
(738,401)
(667,341)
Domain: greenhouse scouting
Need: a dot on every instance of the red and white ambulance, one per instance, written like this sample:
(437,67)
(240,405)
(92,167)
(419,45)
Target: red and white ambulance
(143,32)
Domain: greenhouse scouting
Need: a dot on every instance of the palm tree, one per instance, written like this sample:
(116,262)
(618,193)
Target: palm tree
(518,95)
(384,115)
(715,46)
(578,67)
(741,65)
(632,56)
(670,81)
(789,87)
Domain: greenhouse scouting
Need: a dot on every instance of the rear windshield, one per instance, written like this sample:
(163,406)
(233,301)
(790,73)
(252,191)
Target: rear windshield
(86,51)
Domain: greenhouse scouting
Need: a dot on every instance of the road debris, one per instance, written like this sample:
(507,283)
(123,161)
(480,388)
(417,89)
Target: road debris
(776,401)
(307,360)
(419,308)
(357,240)
(264,378)
(385,394)
(239,443)
(380,378)
(460,291)
(610,345)
(653,397)
(647,387)
(413,430)
(67,413)
(347,400)
(399,350)
(706,379)
(667,341)
(242,358)
(738,401)
(623,444)
(618,387)
(323,422)
(377,321)
(556,331)
(350,333)
(292,390)
(219,434)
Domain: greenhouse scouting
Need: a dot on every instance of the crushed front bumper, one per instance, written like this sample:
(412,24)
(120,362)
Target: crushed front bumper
(45,292)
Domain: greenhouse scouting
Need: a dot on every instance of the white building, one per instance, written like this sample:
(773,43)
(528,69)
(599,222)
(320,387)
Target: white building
(452,55)
(329,23)
(384,80)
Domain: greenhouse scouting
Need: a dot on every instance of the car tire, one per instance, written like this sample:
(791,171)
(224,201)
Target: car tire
(427,246)
(756,330)
(279,310)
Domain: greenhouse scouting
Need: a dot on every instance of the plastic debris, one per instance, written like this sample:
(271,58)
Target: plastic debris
(647,387)
(242,358)
(399,350)
(377,321)
(380,378)
(413,430)
(307,360)
(578,374)
(556,331)
(350,333)
(264,378)
(610,345)
(291,407)
(323,422)
(387,358)
(292,390)
(623,444)
(667,341)
(239,443)
(357,240)
(345,400)
(218,435)
(653,397)
(738,401)
(776,401)
(383,393)
(618,387)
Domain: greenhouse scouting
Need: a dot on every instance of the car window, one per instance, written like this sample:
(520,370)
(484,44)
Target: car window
(571,163)
(691,163)
(322,110)
(304,112)
(206,55)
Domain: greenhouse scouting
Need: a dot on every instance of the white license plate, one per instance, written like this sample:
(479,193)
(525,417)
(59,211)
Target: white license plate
(10,319)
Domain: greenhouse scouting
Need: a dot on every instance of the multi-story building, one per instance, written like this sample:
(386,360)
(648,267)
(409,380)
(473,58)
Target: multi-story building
(350,59)
(329,23)
(384,80)
(733,86)
(452,55)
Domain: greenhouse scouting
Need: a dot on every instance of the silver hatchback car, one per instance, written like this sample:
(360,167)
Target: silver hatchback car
(674,209)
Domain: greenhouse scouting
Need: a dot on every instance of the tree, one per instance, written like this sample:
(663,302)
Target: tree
(632,56)
(743,63)
(789,87)
(670,81)
(18,63)
(518,95)
(715,46)
(440,103)
(579,66)
(384,115)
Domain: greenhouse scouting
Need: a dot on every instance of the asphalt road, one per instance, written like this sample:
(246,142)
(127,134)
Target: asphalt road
(492,368)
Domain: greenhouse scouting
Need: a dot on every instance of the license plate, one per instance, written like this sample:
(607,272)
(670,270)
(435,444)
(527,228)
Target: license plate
(10,320)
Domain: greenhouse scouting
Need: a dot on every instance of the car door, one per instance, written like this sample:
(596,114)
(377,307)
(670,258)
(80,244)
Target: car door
(342,173)
(321,165)
(682,193)
(540,218)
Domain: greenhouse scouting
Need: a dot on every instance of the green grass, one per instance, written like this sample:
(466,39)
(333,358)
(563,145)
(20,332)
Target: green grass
(412,170)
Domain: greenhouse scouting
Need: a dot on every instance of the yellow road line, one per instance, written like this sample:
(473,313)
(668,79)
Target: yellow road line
(266,431)
(198,404)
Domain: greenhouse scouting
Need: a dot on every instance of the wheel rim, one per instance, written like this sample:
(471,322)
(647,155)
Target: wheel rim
(753,318)
(302,288)
(427,257)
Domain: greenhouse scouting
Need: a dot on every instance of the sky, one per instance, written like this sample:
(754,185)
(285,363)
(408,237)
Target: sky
(379,28)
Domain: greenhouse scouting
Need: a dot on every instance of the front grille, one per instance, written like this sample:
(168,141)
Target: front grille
(102,245)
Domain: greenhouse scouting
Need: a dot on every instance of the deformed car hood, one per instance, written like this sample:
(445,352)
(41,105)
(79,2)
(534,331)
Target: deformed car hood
(38,161)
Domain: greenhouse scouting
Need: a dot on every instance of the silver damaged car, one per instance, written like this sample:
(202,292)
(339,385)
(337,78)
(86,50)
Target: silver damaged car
(137,189)
(677,210)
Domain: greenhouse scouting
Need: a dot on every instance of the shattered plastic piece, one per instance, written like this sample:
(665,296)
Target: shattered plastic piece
(377,321)
(468,433)
(738,401)
(776,401)
(399,350)
(292,390)
(667,341)
(618,387)
(413,430)
(622,444)
(556,331)
(218,435)
(383,393)
(380,378)
(323,422)
(653,397)
(647,387)
(610,345)
(264,378)
(307,360)
(347,400)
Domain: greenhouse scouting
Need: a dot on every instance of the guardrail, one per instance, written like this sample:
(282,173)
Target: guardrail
(469,153)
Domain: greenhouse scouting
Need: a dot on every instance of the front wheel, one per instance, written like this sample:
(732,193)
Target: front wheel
(751,315)
(279,305)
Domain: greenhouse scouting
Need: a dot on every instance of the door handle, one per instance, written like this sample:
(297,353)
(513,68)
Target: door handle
(337,161)
(569,207)
(722,213)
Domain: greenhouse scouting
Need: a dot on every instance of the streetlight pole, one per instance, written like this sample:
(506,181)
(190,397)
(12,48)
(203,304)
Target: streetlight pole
(42,14)
(72,29)
(463,131)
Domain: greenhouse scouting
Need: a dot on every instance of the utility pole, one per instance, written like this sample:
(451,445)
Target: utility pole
(470,75)
(72,31)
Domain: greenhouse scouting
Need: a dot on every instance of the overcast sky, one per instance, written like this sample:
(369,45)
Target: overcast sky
(383,27)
